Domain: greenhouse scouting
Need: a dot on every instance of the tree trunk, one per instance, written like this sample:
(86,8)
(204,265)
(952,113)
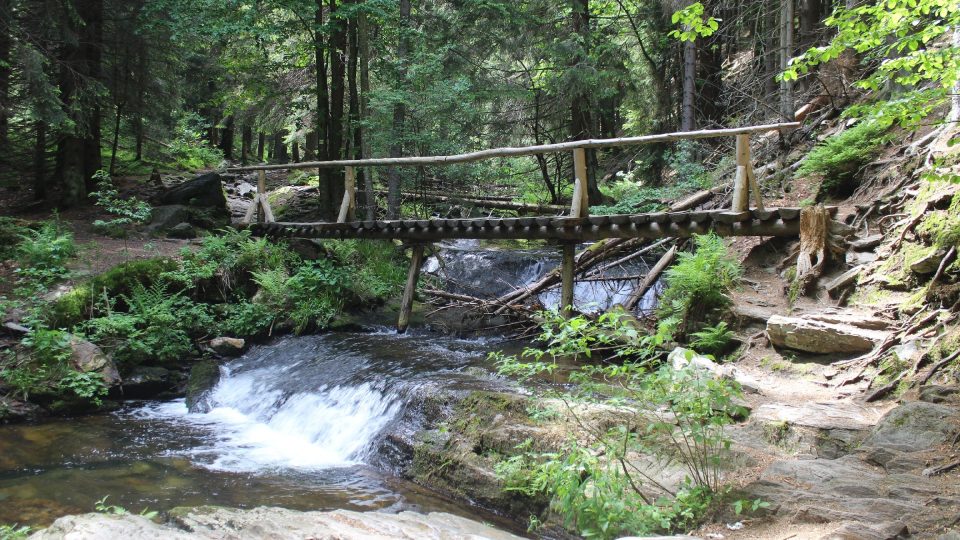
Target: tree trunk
(771,54)
(92,51)
(246,141)
(69,158)
(326,207)
(811,13)
(296,151)
(786,53)
(226,138)
(138,133)
(353,38)
(280,148)
(581,123)
(363,41)
(5,68)
(40,162)
(310,146)
(261,145)
(116,140)
(338,49)
(394,179)
(687,113)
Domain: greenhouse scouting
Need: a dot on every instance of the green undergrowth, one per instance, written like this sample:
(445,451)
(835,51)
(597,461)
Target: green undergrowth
(160,311)
(840,157)
(597,482)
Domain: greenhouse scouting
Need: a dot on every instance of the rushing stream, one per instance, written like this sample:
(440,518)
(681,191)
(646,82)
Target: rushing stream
(295,423)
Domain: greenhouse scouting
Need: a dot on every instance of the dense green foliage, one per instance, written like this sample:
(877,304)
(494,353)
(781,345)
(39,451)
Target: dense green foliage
(699,283)
(599,483)
(128,210)
(160,311)
(841,156)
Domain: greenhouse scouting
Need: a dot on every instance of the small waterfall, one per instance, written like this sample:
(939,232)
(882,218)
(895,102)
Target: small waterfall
(468,268)
(315,402)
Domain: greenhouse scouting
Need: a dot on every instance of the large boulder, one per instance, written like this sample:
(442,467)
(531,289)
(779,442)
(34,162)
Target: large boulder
(204,191)
(915,426)
(273,523)
(145,382)
(820,337)
(227,346)
(88,358)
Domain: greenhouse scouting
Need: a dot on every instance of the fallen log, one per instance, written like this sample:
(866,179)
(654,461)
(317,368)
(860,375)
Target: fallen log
(651,278)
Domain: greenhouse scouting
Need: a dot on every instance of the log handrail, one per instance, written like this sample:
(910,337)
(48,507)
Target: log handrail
(522,150)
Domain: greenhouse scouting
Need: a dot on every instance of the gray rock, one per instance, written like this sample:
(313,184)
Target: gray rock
(829,416)
(892,530)
(246,189)
(927,264)
(809,335)
(88,358)
(932,393)
(274,524)
(147,381)
(182,231)
(227,346)
(914,426)
(164,218)
(204,191)
(13,410)
(870,242)
(844,280)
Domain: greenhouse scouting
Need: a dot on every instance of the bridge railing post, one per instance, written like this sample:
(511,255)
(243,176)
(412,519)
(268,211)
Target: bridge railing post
(410,289)
(580,206)
(745,182)
(348,206)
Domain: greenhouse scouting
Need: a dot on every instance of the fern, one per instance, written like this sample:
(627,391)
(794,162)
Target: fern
(712,339)
(700,281)
(839,157)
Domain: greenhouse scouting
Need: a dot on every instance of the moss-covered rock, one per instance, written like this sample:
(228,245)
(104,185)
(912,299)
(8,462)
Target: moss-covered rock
(204,375)
(459,455)
(76,305)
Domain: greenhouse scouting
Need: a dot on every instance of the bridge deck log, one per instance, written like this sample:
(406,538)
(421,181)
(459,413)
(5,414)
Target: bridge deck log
(773,222)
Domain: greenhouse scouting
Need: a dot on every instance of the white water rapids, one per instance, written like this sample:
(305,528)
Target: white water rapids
(312,403)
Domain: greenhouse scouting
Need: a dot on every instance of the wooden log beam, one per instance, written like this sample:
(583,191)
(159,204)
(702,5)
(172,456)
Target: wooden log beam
(524,150)
(406,302)
(580,231)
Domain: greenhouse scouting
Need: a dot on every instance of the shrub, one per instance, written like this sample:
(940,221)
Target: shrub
(699,282)
(377,270)
(158,327)
(188,149)
(11,233)
(42,255)
(312,296)
(839,157)
(129,210)
(244,319)
(674,415)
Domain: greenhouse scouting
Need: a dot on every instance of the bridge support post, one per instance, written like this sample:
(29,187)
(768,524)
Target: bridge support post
(566,279)
(741,183)
(348,207)
(406,302)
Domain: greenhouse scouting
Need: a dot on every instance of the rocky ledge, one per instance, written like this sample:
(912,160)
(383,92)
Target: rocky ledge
(217,523)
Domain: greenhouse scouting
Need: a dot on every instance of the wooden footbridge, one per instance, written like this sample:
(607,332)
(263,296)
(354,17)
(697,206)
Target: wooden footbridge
(578,226)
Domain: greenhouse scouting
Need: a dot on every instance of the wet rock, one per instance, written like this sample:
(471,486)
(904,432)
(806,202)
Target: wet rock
(88,358)
(204,191)
(183,231)
(914,426)
(145,382)
(227,346)
(274,524)
(204,375)
(13,410)
(814,336)
(164,218)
